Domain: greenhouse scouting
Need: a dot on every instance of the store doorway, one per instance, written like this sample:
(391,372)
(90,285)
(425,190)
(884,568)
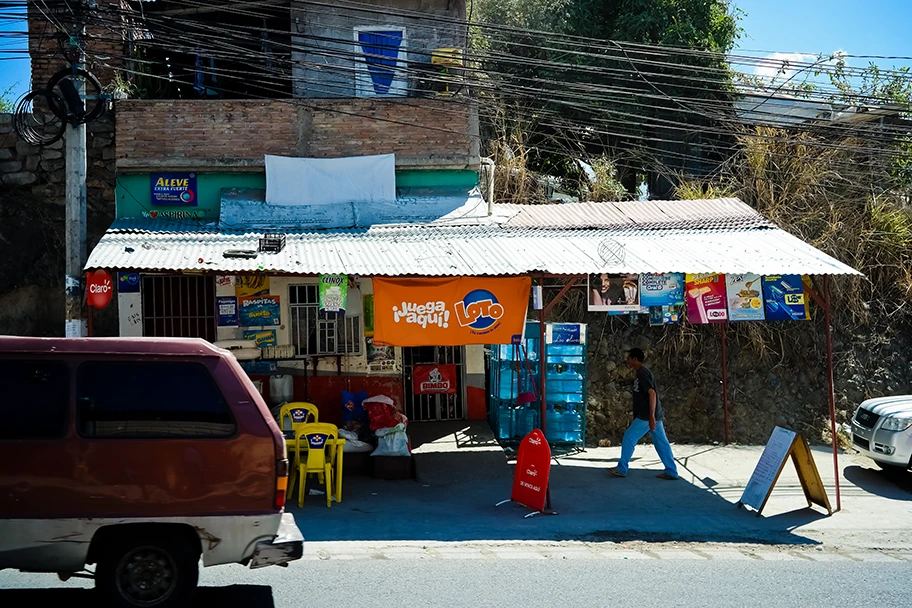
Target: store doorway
(426,408)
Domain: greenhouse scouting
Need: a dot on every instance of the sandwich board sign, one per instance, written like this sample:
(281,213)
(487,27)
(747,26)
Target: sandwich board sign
(530,479)
(782,444)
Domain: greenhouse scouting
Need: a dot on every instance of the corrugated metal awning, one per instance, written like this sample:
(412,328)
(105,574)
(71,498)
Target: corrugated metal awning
(466,250)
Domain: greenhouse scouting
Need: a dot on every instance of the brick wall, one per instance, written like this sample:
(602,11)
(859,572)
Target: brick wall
(213,134)
(104,46)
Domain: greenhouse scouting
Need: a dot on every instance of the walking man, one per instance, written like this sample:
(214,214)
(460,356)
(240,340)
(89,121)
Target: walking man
(647,418)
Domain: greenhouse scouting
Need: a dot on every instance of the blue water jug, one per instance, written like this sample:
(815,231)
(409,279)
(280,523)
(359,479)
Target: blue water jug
(554,428)
(505,421)
(572,425)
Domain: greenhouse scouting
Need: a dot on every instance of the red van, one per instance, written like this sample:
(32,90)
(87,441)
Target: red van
(139,455)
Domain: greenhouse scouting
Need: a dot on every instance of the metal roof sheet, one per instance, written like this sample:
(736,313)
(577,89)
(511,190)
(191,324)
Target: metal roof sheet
(721,213)
(440,250)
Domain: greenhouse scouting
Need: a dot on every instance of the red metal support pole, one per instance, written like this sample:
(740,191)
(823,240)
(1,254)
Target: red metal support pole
(829,346)
(541,357)
(725,433)
(541,371)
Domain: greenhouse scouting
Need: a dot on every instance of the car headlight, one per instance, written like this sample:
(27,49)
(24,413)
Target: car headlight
(896,424)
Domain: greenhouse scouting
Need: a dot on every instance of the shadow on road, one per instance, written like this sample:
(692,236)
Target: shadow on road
(891,483)
(234,596)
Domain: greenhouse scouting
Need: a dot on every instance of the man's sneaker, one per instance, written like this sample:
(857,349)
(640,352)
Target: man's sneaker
(664,475)
(615,472)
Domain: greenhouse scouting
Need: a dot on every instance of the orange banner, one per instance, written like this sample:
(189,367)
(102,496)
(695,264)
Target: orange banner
(450,311)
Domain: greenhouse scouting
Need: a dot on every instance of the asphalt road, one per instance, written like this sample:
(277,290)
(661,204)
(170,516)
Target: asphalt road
(530,576)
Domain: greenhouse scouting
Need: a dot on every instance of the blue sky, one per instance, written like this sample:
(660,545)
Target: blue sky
(792,27)
(875,27)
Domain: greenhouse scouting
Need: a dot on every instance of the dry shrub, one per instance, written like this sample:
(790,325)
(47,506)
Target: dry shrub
(839,195)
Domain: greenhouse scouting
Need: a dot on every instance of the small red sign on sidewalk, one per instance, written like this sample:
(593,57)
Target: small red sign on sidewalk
(533,467)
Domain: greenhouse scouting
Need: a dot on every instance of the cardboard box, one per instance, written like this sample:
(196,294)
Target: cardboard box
(393,467)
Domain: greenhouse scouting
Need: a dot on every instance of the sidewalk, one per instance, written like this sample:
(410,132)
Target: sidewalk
(455,501)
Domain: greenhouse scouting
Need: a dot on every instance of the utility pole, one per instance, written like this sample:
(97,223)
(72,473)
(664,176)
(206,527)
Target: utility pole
(76,326)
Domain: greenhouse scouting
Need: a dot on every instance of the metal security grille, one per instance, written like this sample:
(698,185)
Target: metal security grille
(178,307)
(315,332)
(434,407)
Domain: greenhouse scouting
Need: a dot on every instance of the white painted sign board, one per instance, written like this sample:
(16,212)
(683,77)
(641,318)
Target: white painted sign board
(767,471)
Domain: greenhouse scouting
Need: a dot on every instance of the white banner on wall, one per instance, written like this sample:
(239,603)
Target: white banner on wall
(294,181)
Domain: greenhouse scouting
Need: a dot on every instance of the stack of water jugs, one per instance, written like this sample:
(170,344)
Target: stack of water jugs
(517,409)
(516,402)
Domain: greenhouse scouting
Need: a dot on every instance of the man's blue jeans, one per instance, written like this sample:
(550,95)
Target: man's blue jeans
(634,433)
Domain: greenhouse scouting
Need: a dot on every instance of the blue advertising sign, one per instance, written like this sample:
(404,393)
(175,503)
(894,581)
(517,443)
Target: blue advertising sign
(262,337)
(226,311)
(664,315)
(565,333)
(128,282)
(255,311)
(174,189)
(665,289)
(784,299)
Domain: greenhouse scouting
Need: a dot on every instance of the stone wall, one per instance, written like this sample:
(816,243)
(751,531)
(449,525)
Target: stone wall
(786,385)
(32,220)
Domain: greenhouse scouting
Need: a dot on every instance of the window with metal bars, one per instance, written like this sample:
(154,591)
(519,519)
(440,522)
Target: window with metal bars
(179,307)
(316,332)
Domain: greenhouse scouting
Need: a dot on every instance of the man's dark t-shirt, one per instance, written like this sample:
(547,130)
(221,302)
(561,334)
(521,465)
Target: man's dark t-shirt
(641,385)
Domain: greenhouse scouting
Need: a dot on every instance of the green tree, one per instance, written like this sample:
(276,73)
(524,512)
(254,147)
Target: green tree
(611,99)
(6,100)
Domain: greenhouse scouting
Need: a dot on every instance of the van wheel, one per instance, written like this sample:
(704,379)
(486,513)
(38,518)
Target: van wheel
(156,571)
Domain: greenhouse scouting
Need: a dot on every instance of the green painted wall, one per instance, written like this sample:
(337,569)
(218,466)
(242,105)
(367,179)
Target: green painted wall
(436,178)
(134,192)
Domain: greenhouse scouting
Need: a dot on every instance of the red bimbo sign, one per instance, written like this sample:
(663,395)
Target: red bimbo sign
(99,288)
(434,379)
(533,467)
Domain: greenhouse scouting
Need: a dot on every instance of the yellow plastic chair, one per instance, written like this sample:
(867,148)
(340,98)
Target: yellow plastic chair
(297,412)
(315,445)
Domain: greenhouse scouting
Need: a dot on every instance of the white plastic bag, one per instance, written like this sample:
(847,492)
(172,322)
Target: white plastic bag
(352,443)
(392,441)
(281,388)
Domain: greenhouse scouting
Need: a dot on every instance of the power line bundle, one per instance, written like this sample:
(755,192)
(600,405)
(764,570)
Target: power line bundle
(581,88)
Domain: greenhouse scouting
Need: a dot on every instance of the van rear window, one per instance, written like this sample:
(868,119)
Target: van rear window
(34,399)
(150,399)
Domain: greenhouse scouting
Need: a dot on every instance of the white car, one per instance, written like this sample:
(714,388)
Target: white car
(882,430)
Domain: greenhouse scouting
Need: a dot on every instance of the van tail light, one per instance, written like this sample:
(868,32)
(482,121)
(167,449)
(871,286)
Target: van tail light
(281,483)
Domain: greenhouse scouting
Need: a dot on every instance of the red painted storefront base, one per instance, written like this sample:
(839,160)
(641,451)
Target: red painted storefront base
(326,391)
(475,403)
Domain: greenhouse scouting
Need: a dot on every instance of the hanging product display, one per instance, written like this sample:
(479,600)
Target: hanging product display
(784,298)
(251,285)
(256,311)
(661,289)
(745,297)
(706,298)
(333,292)
(614,293)
(664,315)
